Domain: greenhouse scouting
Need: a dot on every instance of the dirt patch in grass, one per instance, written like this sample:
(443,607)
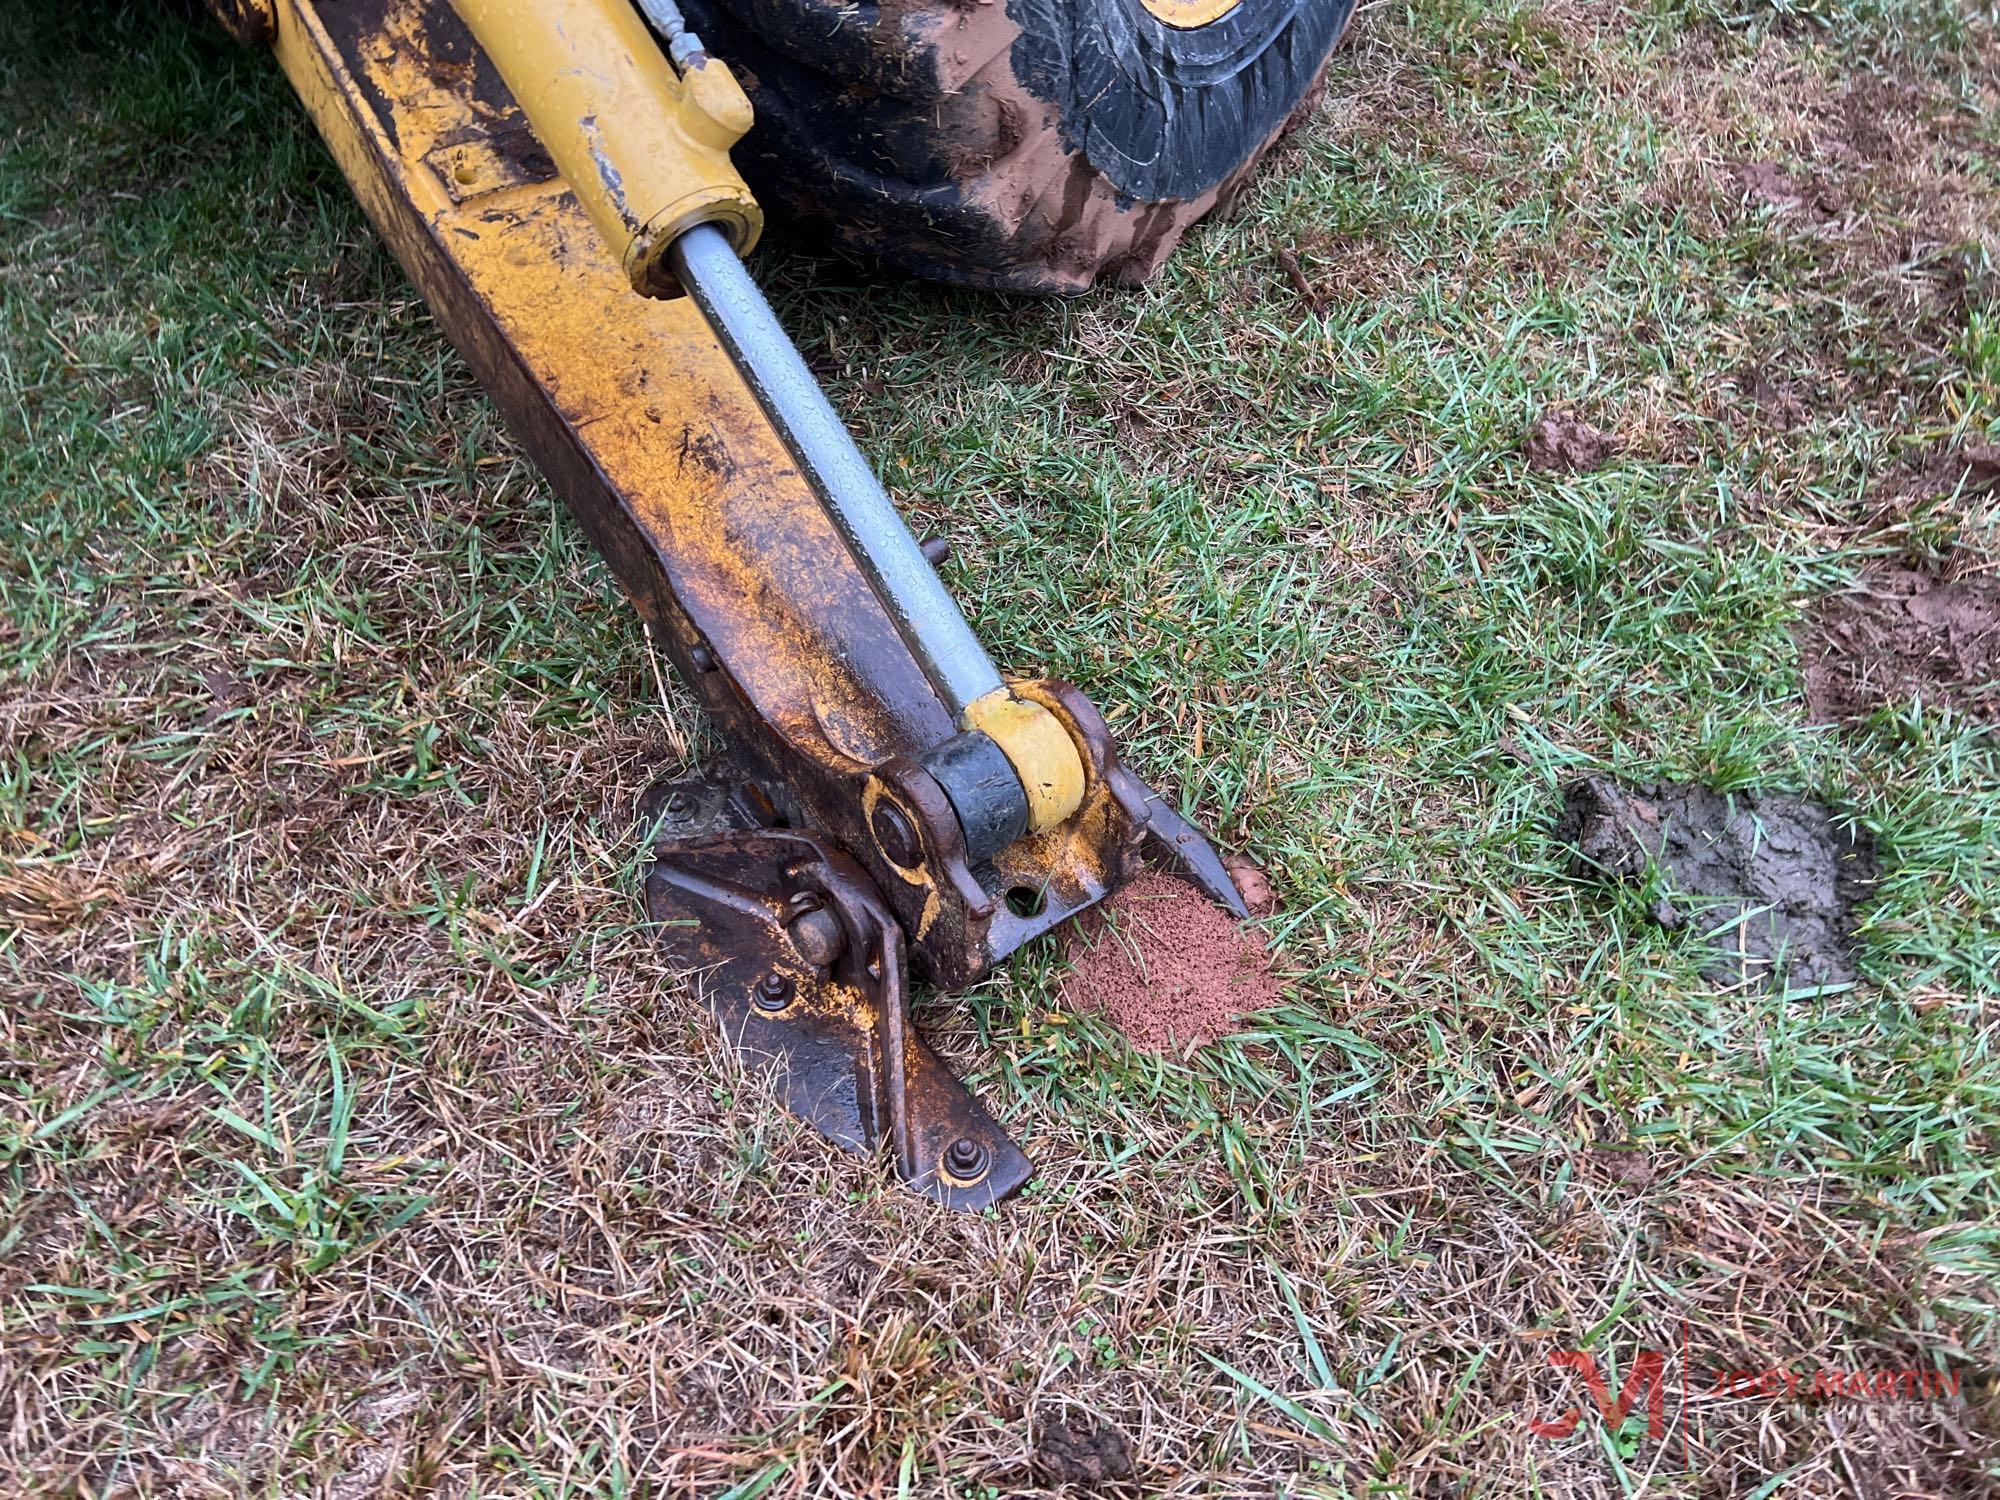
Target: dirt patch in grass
(1765,184)
(1777,401)
(1772,877)
(1913,631)
(1171,970)
(1900,635)
(1873,120)
(1564,443)
(1077,1449)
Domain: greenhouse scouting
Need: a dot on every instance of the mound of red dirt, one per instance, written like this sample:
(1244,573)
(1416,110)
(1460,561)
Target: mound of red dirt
(1170,970)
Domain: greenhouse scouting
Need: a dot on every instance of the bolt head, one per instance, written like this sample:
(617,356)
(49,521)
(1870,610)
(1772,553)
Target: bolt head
(896,836)
(965,1159)
(817,934)
(774,991)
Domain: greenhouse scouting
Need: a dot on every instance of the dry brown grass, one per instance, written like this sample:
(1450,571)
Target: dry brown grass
(357,1142)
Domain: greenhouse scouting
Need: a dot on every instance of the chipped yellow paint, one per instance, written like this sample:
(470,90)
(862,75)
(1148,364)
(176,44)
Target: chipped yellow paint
(645,149)
(254,23)
(734,526)
(873,793)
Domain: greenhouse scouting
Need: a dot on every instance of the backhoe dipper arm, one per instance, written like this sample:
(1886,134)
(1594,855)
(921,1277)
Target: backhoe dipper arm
(553,182)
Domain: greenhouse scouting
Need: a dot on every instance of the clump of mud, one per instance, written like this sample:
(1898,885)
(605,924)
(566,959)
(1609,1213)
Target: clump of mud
(1076,1449)
(1771,876)
(1564,443)
(1901,635)
(1252,884)
(1764,183)
(1169,968)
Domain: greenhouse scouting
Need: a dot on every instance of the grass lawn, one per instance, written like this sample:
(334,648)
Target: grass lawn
(354,1140)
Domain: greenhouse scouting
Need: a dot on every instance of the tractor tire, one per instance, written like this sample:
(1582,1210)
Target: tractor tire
(1023,145)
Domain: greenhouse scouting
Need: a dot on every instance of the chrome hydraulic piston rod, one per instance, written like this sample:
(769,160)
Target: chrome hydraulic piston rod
(925,614)
(642,137)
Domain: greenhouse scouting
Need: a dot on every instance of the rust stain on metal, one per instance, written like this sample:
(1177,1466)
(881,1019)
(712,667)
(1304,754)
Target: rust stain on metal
(803,967)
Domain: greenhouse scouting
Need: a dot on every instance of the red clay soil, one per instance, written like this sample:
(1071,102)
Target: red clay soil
(1252,884)
(1170,970)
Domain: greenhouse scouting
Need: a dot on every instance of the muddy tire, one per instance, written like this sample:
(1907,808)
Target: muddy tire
(1030,145)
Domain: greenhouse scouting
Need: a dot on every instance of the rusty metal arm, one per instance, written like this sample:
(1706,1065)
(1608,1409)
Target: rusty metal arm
(851,807)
